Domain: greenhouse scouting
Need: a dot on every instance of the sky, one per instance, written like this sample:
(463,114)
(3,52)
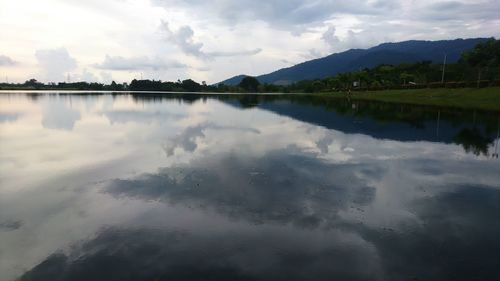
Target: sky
(121,40)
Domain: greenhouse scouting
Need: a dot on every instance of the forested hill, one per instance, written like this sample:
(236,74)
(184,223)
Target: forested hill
(354,59)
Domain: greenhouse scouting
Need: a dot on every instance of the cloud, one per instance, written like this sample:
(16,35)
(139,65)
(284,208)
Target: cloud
(329,36)
(282,14)
(145,117)
(290,14)
(58,115)
(9,116)
(235,53)
(138,63)
(187,139)
(55,63)
(106,77)
(448,10)
(88,76)
(159,254)
(273,188)
(6,61)
(10,225)
(184,39)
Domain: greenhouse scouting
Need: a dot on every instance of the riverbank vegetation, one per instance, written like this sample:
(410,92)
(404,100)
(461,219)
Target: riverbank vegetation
(483,98)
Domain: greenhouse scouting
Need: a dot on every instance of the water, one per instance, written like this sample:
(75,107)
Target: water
(225,187)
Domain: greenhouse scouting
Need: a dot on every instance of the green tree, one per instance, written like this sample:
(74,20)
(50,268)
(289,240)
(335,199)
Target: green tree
(190,85)
(249,84)
(405,77)
(482,56)
(317,86)
(33,83)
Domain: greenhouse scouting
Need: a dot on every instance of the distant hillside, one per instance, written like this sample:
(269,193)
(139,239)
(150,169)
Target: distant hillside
(234,80)
(354,59)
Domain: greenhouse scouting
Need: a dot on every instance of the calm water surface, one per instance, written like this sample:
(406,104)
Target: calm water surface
(195,187)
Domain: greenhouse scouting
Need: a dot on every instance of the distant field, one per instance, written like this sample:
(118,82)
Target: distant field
(484,98)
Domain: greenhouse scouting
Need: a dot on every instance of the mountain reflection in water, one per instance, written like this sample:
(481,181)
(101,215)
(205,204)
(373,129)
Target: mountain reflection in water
(228,187)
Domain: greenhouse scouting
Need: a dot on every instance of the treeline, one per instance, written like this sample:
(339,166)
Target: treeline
(478,67)
(135,85)
(179,86)
(33,84)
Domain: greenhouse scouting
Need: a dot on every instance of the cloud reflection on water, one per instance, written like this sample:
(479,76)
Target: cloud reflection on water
(203,188)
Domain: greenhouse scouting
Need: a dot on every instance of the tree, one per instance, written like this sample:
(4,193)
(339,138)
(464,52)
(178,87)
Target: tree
(33,83)
(115,87)
(483,55)
(405,77)
(190,85)
(249,84)
(317,86)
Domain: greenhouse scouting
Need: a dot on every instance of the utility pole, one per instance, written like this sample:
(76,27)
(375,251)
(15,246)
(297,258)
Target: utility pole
(438,120)
(495,155)
(359,79)
(444,68)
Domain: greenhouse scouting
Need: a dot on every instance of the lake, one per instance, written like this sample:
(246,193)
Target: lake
(97,186)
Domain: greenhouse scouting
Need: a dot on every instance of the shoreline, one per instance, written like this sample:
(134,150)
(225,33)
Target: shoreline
(468,98)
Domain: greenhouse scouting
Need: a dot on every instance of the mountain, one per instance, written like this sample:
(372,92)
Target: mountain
(234,80)
(354,59)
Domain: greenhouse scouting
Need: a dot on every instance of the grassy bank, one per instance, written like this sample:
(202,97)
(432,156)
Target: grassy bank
(484,98)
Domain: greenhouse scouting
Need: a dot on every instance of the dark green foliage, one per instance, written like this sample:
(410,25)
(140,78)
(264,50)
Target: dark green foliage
(179,86)
(33,83)
(249,84)
(472,140)
(484,56)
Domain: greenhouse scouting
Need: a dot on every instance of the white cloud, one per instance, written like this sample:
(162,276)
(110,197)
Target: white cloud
(234,53)
(6,61)
(184,39)
(55,63)
(330,37)
(88,76)
(106,77)
(137,63)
